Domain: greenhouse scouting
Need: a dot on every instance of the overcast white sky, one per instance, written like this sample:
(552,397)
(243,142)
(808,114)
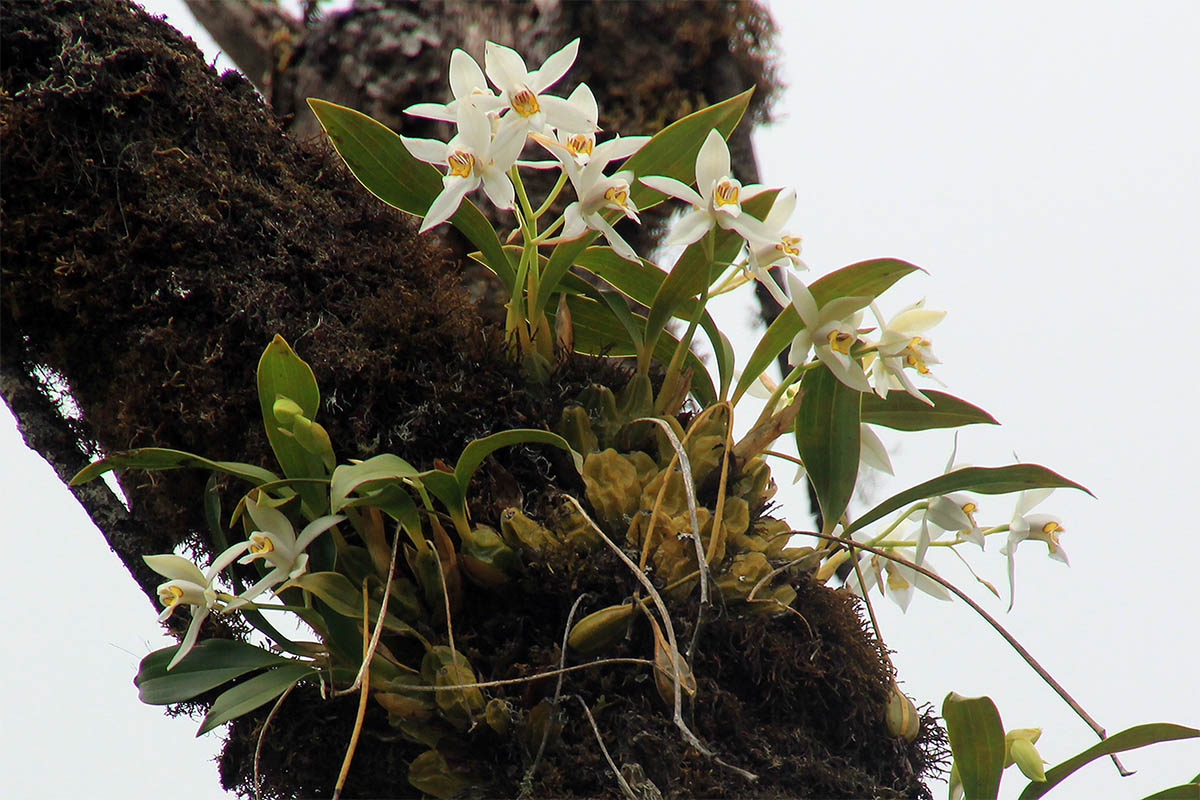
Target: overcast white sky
(1040,161)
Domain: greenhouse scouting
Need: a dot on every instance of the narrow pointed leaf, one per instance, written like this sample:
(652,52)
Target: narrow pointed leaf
(210,663)
(903,412)
(155,458)
(985,480)
(977,741)
(671,152)
(258,691)
(828,438)
(866,279)
(1128,739)
(1184,791)
(381,162)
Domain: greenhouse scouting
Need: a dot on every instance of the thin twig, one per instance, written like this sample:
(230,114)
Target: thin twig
(562,662)
(625,787)
(262,733)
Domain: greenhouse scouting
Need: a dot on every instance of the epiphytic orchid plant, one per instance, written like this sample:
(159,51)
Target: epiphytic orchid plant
(640,461)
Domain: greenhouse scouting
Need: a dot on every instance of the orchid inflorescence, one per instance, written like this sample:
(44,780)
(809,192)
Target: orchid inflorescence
(845,377)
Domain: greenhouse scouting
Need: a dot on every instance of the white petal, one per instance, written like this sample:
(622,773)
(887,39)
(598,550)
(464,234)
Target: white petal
(712,163)
(445,204)
(621,147)
(781,210)
(199,614)
(848,371)
(229,555)
(674,188)
(690,228)
(267,518)
(874,454)
(474,129)
(802,300)
(619,245)
(429,150)
(573,224)
(583,99)
(437,111)
(176,568)
(1030,498)
(565,116)
(801,344)
(916,320)
(499,189)
(506,147)
(505,67)
(554,67)
(465,75)
(315,528)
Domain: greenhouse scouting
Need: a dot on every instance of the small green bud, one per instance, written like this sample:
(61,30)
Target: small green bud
(600,630)
(285,409)
(903,720)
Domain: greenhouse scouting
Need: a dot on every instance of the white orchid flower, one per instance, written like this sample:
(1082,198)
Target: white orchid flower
(781,248)
(829,331)
(951,512)
(522,90)
(902,345)
(1042,527)
(472,157)
(276,542)
(595,190)
(468,85)
(895,580)
(188,586)
(718,200)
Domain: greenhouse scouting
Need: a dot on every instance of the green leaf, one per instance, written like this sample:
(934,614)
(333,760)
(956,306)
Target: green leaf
(209,664)
(1184,791)
(597,332)
(345,598)
(282,373)
(903,412)
(828,438)
(479,449)
(430,774)
(640,284)
(366,475)
(866,279)
(258,691)
(162,458)
(985,480)
(1128,739)
(977,742)
(671,152)
(381,162)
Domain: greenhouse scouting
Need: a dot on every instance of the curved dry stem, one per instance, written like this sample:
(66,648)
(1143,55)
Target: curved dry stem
(364,690)
(261,735)
(1000,629)
(369,651)
(562,662)
(689,486)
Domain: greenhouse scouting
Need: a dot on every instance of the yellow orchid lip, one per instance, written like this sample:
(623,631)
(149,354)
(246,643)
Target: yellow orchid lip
(460,162)
(525,103)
